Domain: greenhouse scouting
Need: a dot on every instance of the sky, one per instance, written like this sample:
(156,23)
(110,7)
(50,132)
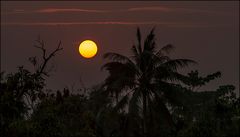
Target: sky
(207,32)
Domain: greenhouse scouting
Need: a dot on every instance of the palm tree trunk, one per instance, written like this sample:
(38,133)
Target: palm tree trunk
(144,114)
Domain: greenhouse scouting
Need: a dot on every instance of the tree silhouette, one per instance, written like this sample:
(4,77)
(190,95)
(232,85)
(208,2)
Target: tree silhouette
(147,76)
(23,89)
(194,81)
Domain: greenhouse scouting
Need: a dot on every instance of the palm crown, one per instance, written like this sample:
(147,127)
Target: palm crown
(147,75)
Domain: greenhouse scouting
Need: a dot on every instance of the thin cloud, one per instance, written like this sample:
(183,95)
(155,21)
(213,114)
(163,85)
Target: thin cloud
(175,10)
(55,10)
(167,24)
(133,9)
(155,8)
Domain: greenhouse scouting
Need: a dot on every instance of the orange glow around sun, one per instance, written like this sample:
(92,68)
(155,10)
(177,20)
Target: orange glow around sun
(88,49)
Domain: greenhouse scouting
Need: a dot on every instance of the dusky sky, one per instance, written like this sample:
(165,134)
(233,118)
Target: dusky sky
(207,32)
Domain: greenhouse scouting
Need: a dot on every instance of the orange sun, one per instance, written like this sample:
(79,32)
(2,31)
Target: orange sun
(88,49)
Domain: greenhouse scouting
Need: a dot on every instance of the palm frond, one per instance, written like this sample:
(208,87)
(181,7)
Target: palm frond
(166,49)
(157,61)
(133,103)
(139,41)
(122,103)
(115,57)
(119,83)
(153,59)
(163,74)
(118,68)
(122,76)
(112,66)
(149,43)
(178,63)
(136,55)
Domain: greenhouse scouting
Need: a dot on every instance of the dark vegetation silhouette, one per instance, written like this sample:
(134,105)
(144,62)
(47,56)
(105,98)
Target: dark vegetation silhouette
(144,95)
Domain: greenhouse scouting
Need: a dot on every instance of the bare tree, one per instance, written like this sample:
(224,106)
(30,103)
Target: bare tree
(42,67)
(40,70)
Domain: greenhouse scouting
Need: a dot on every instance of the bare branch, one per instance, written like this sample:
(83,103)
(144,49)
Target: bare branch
(56,50)
(44,56)
(41,47)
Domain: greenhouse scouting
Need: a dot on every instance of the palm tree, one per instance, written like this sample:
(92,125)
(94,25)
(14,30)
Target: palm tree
(146,76)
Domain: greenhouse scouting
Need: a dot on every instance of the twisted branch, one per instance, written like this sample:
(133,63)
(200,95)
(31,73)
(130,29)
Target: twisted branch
(44,56)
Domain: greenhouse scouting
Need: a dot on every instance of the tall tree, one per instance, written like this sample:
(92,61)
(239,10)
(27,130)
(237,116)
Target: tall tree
(145,77)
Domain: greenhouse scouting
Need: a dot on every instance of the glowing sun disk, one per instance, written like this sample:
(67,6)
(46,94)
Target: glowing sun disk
(88,49)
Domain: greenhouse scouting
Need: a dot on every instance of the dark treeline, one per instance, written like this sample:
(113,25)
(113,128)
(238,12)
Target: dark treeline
(144,95)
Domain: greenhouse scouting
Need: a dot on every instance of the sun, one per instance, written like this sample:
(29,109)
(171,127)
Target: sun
(88,49)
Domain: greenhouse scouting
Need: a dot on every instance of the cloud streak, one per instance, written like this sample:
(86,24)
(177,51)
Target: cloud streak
(56,10)
(167,24)
(133,9)
(154,8)
(174,9)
